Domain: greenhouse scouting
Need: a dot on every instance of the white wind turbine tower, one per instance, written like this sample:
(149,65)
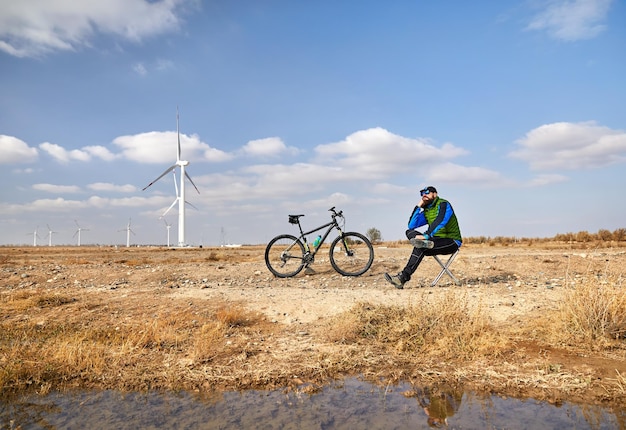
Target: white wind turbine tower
(50,235)
(35,236)
(180,191)
(168,226)
(78,231)
(128,232)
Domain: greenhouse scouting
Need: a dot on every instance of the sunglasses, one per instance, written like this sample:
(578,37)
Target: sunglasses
(424,192)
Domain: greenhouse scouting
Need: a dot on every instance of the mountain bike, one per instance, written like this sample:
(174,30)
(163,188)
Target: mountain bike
(351,254)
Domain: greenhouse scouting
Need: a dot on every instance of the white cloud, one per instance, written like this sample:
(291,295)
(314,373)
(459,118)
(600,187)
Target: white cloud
(454,173)
(26,171)
(99,152)
(57,189)
(14,151)
(53,205)
(570,146)
(334,199)
(268,147)
(159,65)
(571,20)
(60,204)
(161,147)
(103,186)
(140,69)
(386,188)
(86,153)
(378,152)
(31,28)
(62,155)
(362,158)
(541,180)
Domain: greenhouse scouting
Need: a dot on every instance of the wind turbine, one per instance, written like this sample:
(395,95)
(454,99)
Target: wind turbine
(78,231)
(128,232)
(180,191)
(50,235)
(168,226)
(35,236)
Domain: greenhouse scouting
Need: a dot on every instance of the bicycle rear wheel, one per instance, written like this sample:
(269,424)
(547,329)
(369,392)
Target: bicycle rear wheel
(284,256)
(351,254)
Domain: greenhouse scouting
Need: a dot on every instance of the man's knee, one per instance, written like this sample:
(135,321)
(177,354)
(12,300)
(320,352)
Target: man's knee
(410,234)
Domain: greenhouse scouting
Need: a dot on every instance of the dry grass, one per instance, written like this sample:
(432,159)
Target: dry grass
(590,315)
(595,311)
(82,342)
(448,327)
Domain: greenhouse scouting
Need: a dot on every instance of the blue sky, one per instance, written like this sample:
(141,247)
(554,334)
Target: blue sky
(514,110)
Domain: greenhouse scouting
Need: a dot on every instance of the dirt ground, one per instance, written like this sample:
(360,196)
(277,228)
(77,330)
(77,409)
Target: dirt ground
(515,284)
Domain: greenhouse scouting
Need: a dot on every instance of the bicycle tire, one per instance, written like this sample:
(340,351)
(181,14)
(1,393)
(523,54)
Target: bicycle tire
(354,261)
(284,256)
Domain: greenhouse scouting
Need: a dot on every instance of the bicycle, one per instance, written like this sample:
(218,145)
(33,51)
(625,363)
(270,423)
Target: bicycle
(351,253)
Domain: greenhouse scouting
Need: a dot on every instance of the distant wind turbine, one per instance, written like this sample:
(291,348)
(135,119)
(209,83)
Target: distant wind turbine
(168,226)
(35,236)
(128,232)
(180,190)
(78,231)
(50,235)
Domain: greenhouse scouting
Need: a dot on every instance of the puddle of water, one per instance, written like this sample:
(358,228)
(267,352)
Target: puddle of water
(351,404)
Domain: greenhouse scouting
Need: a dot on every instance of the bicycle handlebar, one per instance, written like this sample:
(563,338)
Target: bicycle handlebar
(335,213)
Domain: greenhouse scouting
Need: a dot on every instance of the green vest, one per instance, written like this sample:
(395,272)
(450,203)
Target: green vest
(451,229)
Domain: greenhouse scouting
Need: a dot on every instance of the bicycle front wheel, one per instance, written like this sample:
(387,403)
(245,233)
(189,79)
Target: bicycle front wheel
(351,254)
(284,256)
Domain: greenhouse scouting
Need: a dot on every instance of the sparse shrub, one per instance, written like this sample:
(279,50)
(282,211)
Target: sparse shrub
(373,234)
(619,234)
(234,316)
(595,311)
(605,235)
(583,236)
(446,327)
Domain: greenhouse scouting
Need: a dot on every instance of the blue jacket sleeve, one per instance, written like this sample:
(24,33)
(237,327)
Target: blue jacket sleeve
(417,218)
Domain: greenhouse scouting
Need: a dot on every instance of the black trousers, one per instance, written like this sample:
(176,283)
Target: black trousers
(443,246)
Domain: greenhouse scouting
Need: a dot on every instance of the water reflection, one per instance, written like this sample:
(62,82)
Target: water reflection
(351,404)
(439,404)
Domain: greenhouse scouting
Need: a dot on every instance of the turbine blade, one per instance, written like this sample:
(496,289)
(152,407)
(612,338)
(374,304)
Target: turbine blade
(175,183)
(192,205)
(171,206)
(169,169)
(178,134)
(194,185)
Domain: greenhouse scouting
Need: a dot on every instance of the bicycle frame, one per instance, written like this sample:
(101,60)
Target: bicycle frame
(331,226)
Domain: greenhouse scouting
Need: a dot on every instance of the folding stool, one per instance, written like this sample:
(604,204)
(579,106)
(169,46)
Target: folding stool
(445,268)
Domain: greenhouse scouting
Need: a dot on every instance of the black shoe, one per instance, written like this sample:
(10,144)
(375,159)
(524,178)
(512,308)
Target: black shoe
(395,280)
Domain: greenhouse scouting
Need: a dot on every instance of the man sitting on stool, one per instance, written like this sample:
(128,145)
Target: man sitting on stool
(443,236)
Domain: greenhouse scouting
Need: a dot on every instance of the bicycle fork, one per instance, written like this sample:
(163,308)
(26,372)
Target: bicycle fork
(345,244)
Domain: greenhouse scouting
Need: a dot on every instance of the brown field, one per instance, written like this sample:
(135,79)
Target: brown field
(542,320)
